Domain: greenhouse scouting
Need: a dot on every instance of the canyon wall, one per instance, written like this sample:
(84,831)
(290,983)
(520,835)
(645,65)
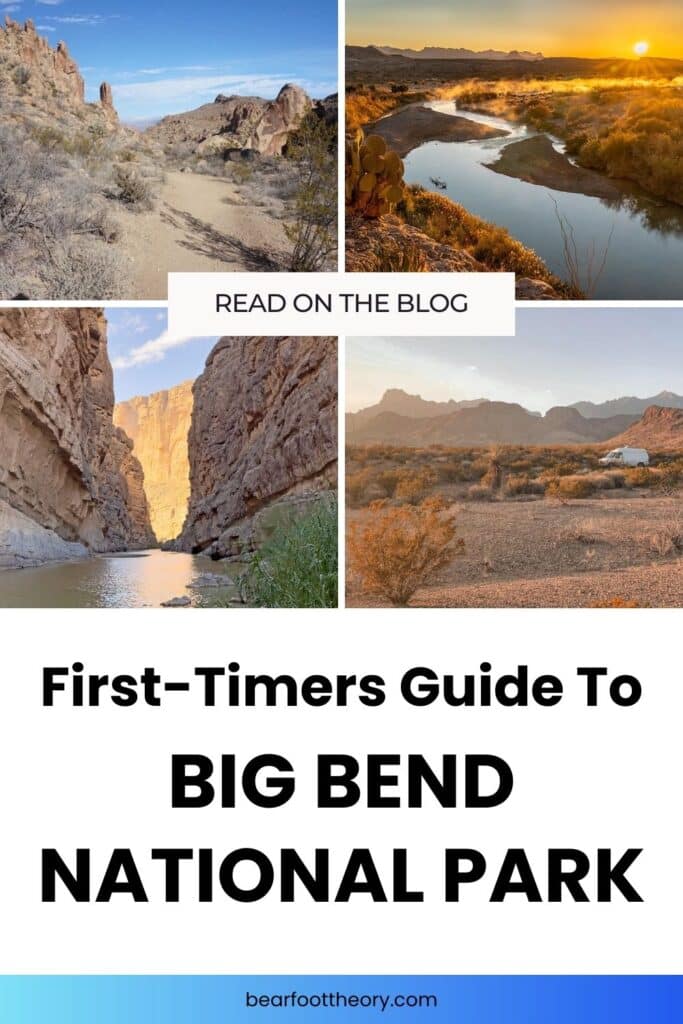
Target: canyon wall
(263,436)
(158,426)
(64,466)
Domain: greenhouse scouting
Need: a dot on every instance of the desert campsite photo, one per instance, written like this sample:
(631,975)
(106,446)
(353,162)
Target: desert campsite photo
(540,471)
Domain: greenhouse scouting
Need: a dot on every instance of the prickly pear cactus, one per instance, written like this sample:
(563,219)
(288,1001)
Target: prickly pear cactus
(374,175)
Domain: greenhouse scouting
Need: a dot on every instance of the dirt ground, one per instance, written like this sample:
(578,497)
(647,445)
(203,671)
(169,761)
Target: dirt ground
(536,160)
(415,124)
(545,553)
(200,223)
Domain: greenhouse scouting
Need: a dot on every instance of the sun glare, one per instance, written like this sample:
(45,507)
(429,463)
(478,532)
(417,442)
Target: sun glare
(641,48)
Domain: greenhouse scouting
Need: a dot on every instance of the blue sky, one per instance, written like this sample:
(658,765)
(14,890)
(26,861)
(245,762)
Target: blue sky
(145,357)
(558,357)
(163,58)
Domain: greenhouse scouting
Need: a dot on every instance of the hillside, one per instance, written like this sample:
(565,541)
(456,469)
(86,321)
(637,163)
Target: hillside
(657,429)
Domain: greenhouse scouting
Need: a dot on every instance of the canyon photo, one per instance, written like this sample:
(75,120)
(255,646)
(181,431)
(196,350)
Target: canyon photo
(165,498)
(528,473)
(96,204)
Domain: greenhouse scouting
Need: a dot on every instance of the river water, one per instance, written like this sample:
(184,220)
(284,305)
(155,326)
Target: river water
(143,579)
(645,255)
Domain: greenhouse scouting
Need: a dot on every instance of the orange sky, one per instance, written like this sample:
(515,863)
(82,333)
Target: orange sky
(582,28)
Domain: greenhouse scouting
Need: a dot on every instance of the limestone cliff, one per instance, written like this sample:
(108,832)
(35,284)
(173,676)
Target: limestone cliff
(158,426)
(264,432)
(63,464)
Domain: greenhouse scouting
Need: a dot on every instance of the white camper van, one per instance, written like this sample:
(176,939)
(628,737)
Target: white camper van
(626,457)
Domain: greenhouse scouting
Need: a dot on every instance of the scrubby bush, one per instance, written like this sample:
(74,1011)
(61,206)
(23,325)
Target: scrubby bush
(312,231)
(570,487)
(522,484)
(132,189)
(298,566)
(414,487)
(396,550)
(479,492)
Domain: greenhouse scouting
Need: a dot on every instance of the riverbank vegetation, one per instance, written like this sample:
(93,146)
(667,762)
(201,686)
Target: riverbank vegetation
(297,567)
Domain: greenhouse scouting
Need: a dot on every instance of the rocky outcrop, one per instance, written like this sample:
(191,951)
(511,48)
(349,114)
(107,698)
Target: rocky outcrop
(236,123)
(657,428)
(43,84)
(263,438)
(279,118)
(63,464)
(24,544)
(158,426)
(389,244)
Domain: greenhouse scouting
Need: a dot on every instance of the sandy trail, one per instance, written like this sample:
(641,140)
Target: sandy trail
(199,223)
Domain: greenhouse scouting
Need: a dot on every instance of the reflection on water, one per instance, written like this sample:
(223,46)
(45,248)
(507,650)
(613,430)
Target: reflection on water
(645,258)
(131,580)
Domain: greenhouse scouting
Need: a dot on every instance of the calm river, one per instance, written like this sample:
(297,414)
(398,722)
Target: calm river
(143,579)
(645,258)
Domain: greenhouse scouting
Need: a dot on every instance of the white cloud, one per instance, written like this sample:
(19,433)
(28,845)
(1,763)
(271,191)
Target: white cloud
(153,351)
(200,86)
(50,3)
(82,19)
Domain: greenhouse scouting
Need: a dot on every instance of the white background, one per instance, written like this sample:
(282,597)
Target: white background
(100,778)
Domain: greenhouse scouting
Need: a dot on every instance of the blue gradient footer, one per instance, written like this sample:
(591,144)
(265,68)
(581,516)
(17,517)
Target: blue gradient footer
(204,999)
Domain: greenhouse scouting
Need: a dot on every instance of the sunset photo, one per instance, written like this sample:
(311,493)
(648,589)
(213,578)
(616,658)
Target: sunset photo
(547,141)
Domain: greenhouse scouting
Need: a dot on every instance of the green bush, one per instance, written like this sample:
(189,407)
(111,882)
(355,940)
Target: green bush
(297,567)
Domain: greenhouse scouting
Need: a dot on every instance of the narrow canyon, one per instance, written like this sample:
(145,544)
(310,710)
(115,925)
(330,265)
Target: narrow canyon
(204,471)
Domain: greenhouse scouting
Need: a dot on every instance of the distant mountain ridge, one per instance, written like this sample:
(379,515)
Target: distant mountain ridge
(629,404)
(401,418)
(458,53)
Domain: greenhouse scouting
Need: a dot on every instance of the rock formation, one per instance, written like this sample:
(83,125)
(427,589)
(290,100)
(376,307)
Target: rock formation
(235,123)
(158,426)
(45,83)
(658,428)
(369,243)
(63,464)
(263,438)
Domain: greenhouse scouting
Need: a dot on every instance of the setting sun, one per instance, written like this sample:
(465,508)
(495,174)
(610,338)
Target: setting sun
(641,48)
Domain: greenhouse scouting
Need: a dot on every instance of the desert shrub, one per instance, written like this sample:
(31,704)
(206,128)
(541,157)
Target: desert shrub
(493,477)
(22,75)
(393,258)
(645,144)
(388,480)
(357,487)
(414,487)
(297,567)
(522,484)
(479,492)
(312,231)
(132,189)
(586,531)
(25,173)
(640,476)
(606,480)
(449,223)
(396,550)
(83,270)
(668,539)
(570,487)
